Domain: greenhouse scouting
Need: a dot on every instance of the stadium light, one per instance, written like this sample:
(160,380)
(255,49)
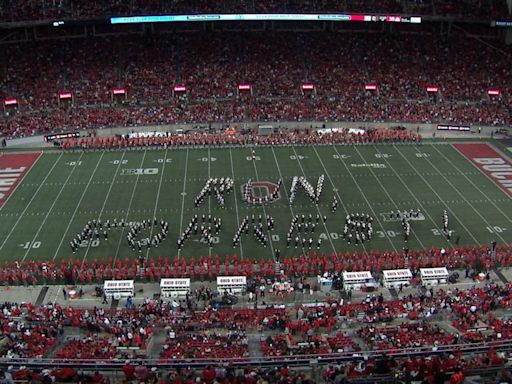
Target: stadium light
(494,92)
(65,95)
(10,101)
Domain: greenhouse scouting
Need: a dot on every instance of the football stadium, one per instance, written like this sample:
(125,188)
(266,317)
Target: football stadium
(299,191)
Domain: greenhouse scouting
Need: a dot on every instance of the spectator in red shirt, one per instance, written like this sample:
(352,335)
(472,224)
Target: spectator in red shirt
(457,377)
(209,374)
(97,378)
(128,370)
(141,372)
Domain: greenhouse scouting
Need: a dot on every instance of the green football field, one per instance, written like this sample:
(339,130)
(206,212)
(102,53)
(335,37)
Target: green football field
(63,191)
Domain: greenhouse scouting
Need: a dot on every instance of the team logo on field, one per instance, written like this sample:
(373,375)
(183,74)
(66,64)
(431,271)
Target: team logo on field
(138,171)
(260,192)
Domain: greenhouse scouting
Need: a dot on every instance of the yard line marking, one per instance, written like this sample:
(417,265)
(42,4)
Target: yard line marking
(156,201)
(104,204)
(51,207)
(471,181)
(386,192)
(129,207)
(30,202)
(236,203)
(288,199)
(183,193)
(437,194)
(76,207)
(335,190)
(412,194)
(365,198)
(264,211)
(465,199)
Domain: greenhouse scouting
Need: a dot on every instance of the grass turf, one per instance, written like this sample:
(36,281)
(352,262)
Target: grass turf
(65,190)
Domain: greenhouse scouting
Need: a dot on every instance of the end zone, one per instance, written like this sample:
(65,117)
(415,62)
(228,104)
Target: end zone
(13,168)
(490,162)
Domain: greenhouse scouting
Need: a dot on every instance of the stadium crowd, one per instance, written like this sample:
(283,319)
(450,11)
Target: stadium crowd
(310,263)
(195,330)
(53,9)
(148,69)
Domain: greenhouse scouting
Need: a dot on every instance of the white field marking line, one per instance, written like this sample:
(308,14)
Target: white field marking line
(335,190)
(438,196)
(104,204)
(129,207)
(183,198)
(365,198)
(156,201)
(472,183)
(77,206)
(23,178)
(209,196)
(286,193)
(57,294)
(328,234)
(235,192)
(51,207)
(410,191)
(30,202)
(464,198)
(387,193)
(264,210)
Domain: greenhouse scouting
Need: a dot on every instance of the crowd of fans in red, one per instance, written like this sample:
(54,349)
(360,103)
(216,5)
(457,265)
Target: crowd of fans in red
(191,333)
(51,9)
(207,267)
(407,335)
(275,65)
(203,345)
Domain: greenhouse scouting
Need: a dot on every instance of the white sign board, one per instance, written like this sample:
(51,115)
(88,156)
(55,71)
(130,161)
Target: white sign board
(118,288)
(175,283)
(394,278)
(358,280)
(174,287)
(231,284)
(357,276)
(433,276)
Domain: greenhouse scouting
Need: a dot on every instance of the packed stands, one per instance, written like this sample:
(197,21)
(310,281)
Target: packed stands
(406,335)
(89,348)
(331,64)
(203,345)
(196,332)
